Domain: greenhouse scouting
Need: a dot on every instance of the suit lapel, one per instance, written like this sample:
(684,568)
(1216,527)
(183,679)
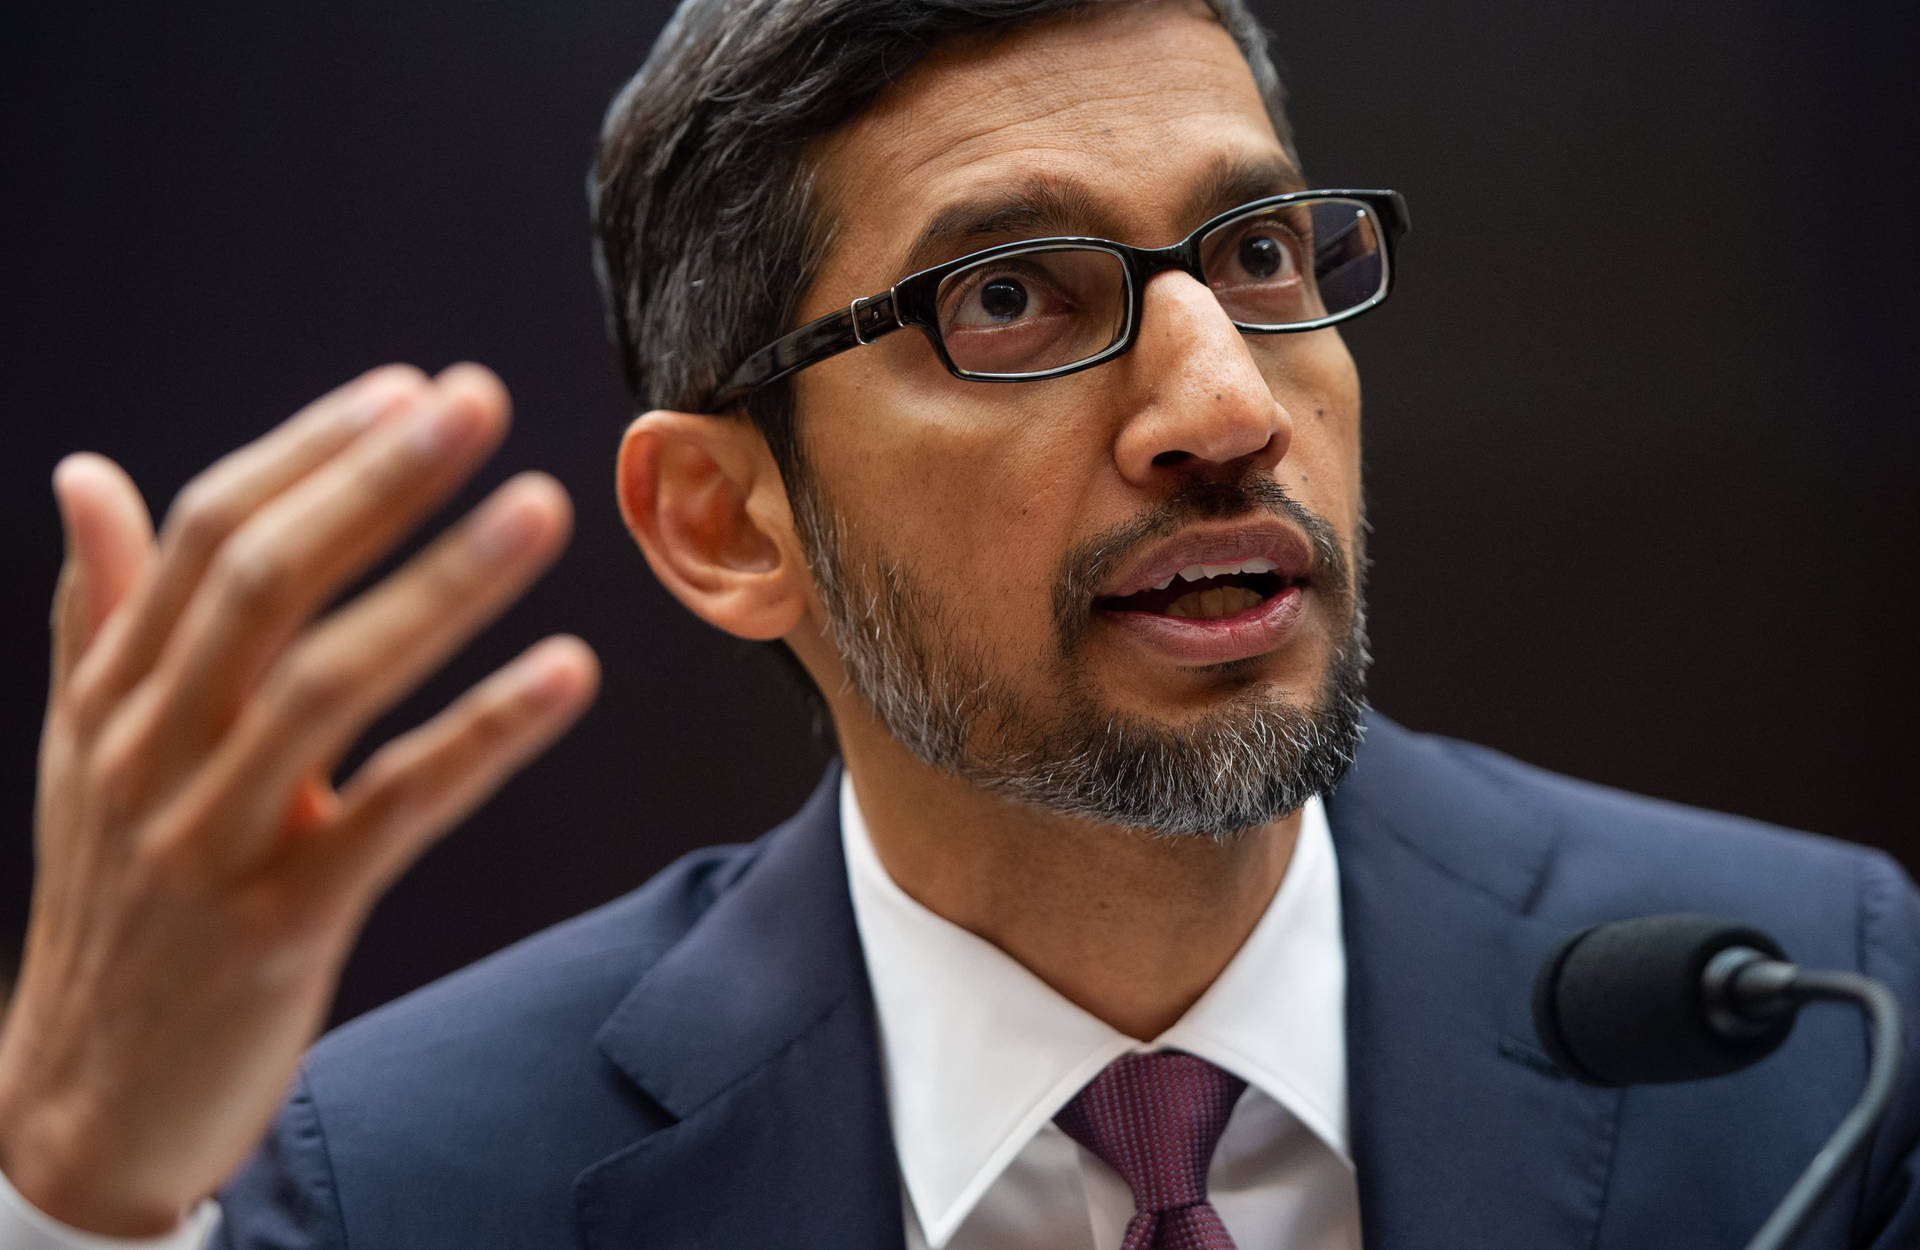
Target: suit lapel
(755,1035)
(1463,1132)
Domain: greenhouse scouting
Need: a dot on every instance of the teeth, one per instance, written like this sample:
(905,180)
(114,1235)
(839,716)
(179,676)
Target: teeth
(1215,601)
(1200,572)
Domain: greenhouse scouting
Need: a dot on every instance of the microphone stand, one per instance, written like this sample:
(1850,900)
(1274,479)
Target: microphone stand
(1744,983)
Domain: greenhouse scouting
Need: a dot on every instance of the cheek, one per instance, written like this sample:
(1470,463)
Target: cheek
(1314,378)
(976,485)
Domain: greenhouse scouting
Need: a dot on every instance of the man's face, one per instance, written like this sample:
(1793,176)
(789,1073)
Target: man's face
(978,547)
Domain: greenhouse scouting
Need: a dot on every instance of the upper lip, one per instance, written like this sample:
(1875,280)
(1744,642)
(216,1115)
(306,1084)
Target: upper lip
(1286,547)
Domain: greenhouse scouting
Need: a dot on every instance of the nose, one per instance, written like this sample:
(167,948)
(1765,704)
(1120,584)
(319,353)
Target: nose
(1202,405)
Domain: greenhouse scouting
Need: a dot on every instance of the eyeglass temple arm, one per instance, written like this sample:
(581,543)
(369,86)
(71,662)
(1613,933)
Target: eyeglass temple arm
(856,325)
(1392,206)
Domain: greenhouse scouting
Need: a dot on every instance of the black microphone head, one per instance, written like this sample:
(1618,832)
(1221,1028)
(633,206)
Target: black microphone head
(1624,1003)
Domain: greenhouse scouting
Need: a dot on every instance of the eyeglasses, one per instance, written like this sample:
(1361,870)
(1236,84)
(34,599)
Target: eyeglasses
(1040,308)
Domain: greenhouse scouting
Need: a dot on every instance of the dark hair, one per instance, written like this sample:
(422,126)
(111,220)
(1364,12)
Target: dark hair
(708,231)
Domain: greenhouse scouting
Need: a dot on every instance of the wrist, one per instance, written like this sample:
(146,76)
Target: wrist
(52,1169)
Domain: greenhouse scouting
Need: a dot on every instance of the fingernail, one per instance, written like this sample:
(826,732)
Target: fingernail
(61,472)
(445,429)
(506,527)
(70,466)
(548,683)
(359,414)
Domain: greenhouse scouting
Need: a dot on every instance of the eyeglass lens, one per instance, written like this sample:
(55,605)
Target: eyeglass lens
(1049,307)
(1034,310)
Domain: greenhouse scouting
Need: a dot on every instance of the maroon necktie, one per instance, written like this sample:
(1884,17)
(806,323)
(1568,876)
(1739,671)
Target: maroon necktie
(1155,1120)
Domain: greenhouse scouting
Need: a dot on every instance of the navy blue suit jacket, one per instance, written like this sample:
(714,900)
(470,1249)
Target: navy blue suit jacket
(696,1064)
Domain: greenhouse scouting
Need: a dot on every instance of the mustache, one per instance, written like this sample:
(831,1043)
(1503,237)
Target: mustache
(1091,562)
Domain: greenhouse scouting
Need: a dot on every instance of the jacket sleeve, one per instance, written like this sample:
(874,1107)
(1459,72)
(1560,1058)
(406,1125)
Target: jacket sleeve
(284,1198)
(1889,1216)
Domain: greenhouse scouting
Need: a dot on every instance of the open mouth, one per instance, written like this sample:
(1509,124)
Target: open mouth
(1208,591)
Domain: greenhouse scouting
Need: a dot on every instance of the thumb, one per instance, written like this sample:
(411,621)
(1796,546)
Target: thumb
(109,546)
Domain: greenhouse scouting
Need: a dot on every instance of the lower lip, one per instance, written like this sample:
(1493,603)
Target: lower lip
(1261,628)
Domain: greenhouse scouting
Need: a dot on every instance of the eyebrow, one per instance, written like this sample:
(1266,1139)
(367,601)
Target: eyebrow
(1039,205)
(1046,204)
(1229,182)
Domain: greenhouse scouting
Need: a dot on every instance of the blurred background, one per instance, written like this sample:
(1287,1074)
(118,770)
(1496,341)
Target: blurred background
(1640,417)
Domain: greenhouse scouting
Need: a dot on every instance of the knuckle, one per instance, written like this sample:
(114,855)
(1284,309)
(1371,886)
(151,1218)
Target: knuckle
(88,694)
(253,577)
(386,772)
(495,725)
(379,482)
(311,685)
(175,860)
(286,931)
(451,577)
(398,786)
(203,515)
(117,764)
(411,790)
(108,778)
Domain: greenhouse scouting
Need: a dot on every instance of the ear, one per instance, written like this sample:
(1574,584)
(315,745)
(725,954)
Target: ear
(703,498)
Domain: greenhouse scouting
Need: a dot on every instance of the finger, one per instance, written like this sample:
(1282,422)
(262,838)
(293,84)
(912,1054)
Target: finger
(222,497)
(361,660)
(109,546)
(303,545)
(314,804)
(422,784)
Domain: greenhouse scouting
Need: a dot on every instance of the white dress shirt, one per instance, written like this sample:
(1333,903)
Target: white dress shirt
(980,1054)
(24,1226)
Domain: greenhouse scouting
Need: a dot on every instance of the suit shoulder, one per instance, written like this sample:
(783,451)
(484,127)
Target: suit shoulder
(401,1119)
(1629,820)
(561,981)
(1612,853)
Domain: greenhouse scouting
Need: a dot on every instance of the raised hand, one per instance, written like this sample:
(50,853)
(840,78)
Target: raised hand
(200,880)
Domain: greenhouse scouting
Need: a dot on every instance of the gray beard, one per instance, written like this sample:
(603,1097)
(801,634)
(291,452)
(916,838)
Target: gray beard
(1244,764)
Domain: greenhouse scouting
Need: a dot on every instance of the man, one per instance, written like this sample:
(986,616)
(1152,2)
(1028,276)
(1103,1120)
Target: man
(1068,538)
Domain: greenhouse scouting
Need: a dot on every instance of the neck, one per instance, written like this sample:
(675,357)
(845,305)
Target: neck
(1130,928)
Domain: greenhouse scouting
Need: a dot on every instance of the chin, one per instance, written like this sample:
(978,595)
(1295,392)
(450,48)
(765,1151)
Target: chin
(1296,676)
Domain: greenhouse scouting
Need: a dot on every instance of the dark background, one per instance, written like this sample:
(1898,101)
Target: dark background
(1640,443)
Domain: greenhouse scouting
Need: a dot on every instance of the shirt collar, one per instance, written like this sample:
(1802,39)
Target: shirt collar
(979,1053)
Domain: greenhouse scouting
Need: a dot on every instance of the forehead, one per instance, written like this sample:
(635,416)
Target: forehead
(1124,113)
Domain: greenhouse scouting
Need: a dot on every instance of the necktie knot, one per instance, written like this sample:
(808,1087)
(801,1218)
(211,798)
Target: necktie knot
(1155,1120)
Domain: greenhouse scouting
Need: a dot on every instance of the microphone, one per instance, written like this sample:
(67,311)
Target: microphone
(1684,997)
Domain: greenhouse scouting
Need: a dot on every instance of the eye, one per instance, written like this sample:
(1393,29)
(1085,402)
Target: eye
(1033,310)
(1003,299)
(1262,256)
(1258,267)
(1265,253)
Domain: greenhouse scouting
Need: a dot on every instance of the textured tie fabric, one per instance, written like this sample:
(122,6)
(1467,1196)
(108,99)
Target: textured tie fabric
(1155,1120)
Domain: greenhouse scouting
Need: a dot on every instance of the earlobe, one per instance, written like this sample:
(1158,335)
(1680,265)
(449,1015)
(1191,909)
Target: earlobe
(703,498)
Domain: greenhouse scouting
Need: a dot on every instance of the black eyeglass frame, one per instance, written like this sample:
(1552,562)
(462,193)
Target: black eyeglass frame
(912,300)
